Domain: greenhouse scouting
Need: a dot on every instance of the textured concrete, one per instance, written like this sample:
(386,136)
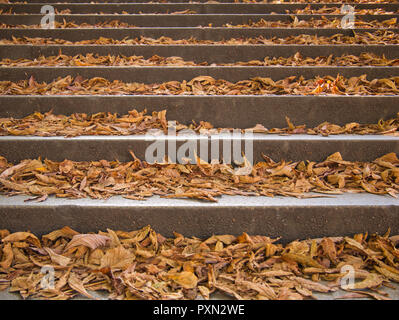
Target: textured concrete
(221,111)
(278,147)
(285,217)
(198,53)
(169,73)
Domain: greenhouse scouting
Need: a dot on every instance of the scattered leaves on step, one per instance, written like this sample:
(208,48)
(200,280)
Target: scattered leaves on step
(244,267)
(135,180)
(201,85)
(365,38)
(90,59)
(295,22)
(135,122)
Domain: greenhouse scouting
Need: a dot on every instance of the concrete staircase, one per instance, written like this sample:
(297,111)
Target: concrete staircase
(289,218)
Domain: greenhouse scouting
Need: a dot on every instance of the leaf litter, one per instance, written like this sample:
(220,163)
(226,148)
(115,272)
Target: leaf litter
(294,22)
(206,85)
(144,265)
(366,38)
(139,122)
(364,59)
(138,180)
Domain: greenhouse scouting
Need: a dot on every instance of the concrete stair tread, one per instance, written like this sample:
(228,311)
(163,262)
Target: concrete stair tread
(159,74)
(286,217)
(210,53)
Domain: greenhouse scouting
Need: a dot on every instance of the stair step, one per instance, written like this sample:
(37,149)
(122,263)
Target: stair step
(293,147)
(221,111)
(289,218)
(197,53)
(169,73)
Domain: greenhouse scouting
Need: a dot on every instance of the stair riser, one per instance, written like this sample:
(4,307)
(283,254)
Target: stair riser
(203,53)
(295,148)
(288,218)
(221,111)
(192,20)
(162,74)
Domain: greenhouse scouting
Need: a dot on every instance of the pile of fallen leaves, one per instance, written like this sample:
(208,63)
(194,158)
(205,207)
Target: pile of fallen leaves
(90,59)
(137,179)
(103,123)
(72,25)
(144,265)
(322,22)
(205,85)
(366,38)
(135,122)
(338,11)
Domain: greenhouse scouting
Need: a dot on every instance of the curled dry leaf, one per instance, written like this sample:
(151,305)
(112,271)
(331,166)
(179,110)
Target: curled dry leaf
(76,284)
(57,258)
(92,241)
(23,236)
(65,232)
(7,256)
(186,279)
(117,258)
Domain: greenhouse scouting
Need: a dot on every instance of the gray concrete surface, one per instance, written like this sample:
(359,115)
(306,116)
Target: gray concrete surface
(286,217)
(279,147)
(221,111)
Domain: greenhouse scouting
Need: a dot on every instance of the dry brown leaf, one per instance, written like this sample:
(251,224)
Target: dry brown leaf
(92,241)
(186,279)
